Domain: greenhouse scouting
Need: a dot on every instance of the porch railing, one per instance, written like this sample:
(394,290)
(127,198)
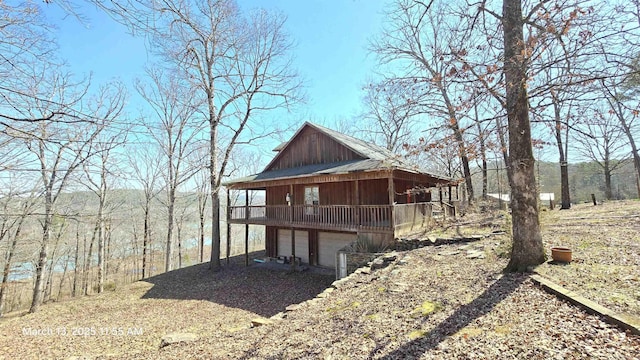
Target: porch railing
(341,217)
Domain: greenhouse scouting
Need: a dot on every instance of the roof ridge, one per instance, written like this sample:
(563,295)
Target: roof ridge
(336,135)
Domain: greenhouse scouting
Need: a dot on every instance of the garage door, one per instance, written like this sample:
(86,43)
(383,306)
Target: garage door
(329,244)
(302,244)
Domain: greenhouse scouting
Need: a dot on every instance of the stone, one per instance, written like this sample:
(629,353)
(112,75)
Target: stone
(292,307)
(389,257)
(175,338)
(377,264)
(260,321)
(325,293)
(475,254)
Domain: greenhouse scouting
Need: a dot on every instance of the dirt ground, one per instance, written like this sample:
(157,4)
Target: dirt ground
(430,303)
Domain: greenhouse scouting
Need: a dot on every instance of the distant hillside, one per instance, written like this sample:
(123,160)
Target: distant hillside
(585,178)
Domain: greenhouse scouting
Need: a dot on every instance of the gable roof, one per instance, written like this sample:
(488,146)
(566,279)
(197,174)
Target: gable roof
(361,148)
(373,157)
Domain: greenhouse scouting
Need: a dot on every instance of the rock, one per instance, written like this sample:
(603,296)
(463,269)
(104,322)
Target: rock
(402,262)
(378,264)
(475,254)
(175,338)
(325,293)
(292,307)
(260,321)
(336,284)
(389,257)
(365,270)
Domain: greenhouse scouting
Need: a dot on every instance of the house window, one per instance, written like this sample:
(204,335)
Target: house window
(311,200)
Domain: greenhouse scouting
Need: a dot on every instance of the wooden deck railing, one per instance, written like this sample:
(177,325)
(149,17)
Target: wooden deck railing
(337,217)
(410,217)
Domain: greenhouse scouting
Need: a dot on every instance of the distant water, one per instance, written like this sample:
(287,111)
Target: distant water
(27,270)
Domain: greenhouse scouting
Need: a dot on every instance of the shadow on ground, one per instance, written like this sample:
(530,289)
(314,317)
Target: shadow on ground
(263,290)
(462,317)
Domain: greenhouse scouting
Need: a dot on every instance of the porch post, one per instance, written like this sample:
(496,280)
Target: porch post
(293,232)
(392,197)
(357,204)
(246,227)
(228,225)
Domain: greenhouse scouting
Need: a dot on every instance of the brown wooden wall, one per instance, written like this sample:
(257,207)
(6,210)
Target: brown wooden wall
(372,192)
(276,195)
(312,147)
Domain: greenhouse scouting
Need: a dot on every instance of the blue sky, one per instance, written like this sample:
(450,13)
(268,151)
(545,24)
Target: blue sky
(331,54)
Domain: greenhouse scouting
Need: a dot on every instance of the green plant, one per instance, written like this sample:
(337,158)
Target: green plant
(366,245)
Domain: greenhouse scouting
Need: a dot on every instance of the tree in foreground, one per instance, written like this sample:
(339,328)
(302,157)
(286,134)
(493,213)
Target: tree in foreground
(527,242)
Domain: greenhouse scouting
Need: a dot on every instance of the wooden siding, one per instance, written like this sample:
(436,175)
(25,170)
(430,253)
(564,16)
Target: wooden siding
(374,192)
(311,147)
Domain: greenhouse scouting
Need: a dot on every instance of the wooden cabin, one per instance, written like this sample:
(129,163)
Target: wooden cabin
(328,189)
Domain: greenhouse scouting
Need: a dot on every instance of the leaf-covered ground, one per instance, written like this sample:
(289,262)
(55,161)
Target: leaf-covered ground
(605,244)
(429,303)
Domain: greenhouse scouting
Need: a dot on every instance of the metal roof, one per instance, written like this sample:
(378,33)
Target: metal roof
(375,158)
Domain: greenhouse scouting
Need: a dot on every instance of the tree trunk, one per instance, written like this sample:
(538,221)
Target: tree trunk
(527,242)
(634,149)
(87,264)
(179,233)
(7,265)
(145,242)
(215,231)
(202,201)
(74,287)
(564,166)
(168,266)
(608,194)
(483,152)
(101,246)
(36,300)
(49,285)
(64,273)
(215,196)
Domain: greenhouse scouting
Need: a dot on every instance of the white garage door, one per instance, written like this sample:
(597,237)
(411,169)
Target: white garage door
(302,244)
(329,244)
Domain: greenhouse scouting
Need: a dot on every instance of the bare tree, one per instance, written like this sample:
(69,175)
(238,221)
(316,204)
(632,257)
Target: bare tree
(58,149)
(175,126)
(99,174)
(420,36)
(13,219)
(602,141)
(625,107)
(146,170)
(390,114)
(240,66)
